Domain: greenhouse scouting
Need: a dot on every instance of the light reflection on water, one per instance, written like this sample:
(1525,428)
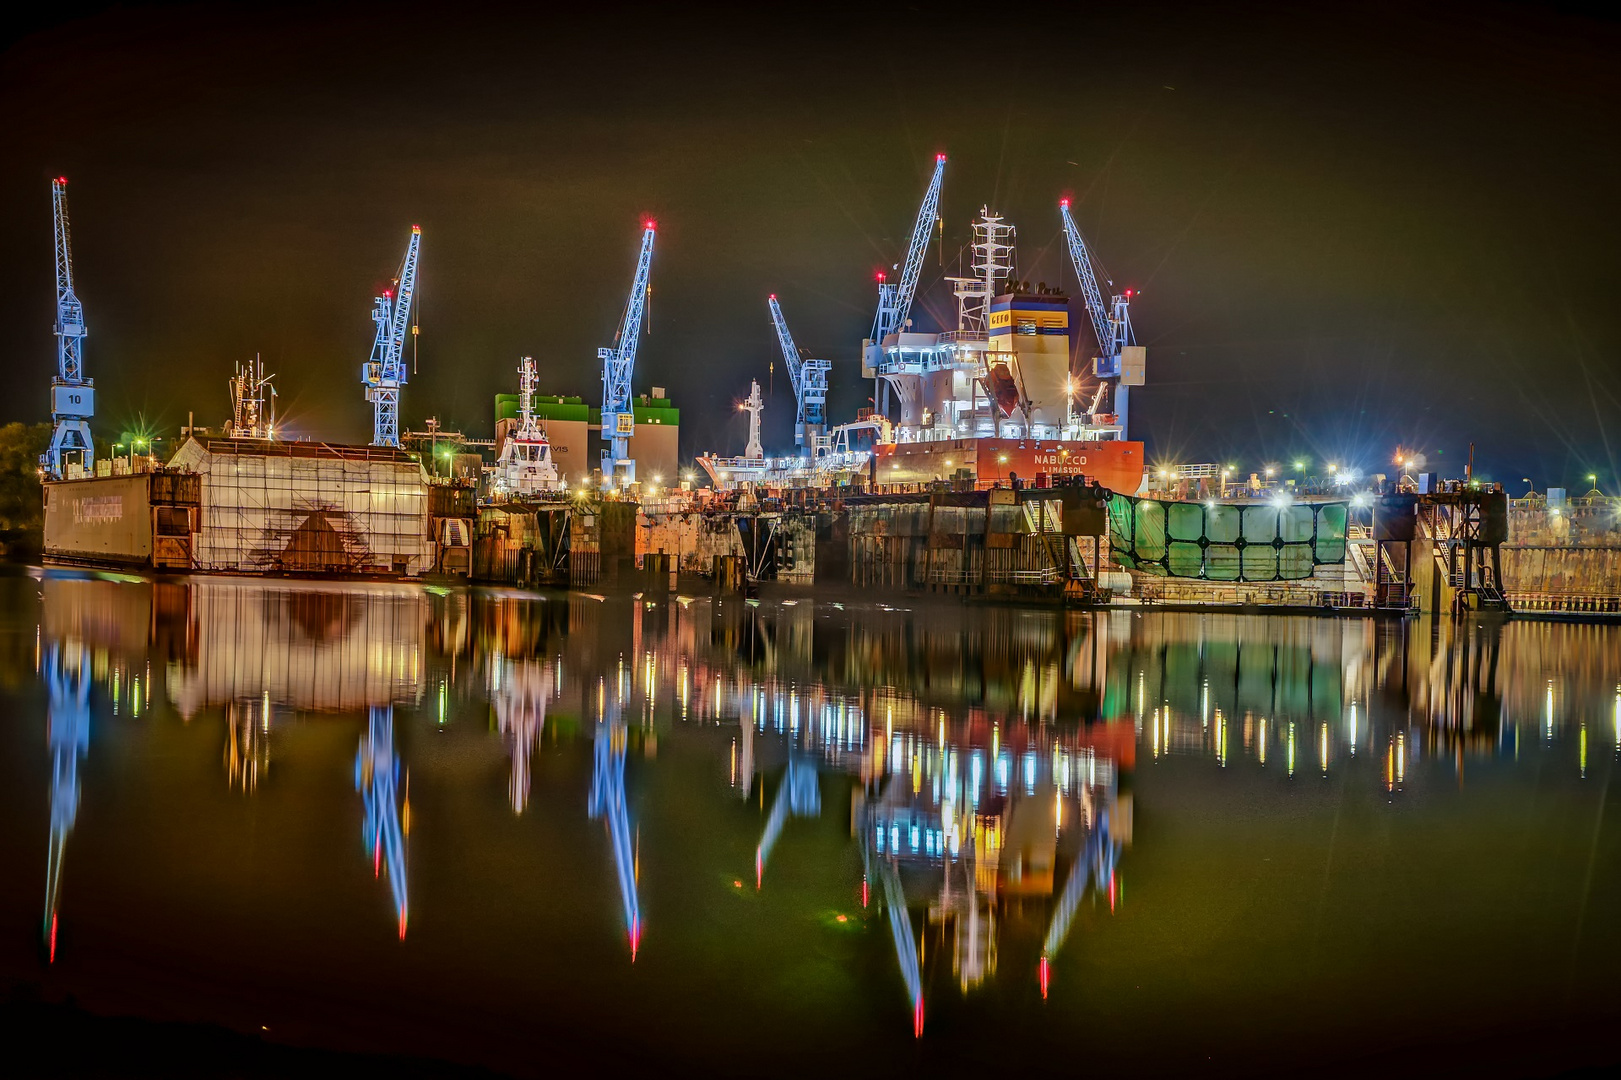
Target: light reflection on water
(987,766)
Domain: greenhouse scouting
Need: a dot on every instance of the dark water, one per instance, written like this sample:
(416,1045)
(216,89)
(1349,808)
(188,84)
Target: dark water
(527,832)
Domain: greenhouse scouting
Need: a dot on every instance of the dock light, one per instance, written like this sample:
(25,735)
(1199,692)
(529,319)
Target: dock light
(1408,464)
(1333,467)
(1300,466)
(1271,470)
(1165,474)
(949,463)
(1359,500)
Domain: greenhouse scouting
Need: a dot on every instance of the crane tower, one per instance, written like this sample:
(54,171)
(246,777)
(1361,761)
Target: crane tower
(385,373)
(73,397)
(618,364)
(809,378)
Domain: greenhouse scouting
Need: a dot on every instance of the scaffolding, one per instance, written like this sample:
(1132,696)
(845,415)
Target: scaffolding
(309,508)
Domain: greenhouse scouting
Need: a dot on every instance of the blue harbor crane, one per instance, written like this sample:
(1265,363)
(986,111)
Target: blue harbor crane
(385,373)
(810,383)
(73,397)
(895,300)
(1112,325)
(618,364)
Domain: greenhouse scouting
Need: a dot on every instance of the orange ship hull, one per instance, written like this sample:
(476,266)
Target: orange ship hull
(1116,464)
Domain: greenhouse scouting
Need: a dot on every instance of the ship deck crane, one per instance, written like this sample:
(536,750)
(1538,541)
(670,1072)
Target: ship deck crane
(895,298)
(618,365)
(73,397)
(809,378)
(1112,325)
(384,373)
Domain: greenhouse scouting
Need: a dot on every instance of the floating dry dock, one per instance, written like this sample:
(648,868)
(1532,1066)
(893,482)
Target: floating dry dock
(253,506)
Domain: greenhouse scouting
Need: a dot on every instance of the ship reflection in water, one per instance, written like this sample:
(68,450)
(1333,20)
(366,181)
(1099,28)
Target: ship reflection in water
(943,808)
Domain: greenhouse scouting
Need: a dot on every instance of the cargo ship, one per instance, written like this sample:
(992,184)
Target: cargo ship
(1117,464)
(992,400)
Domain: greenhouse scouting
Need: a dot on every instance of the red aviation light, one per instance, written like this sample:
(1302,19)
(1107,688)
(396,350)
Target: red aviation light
(61,179)
(773,296)
(1129,293)
(1063,204)
(416,230)
(938,158)
(650,225)
(881,277)
(1045,975)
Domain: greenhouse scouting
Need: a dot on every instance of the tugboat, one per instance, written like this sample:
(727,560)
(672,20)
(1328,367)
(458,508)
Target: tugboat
(525,468)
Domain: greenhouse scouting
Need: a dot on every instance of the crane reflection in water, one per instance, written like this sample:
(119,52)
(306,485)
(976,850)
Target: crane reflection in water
(983,753)
(66,671)
(387,802)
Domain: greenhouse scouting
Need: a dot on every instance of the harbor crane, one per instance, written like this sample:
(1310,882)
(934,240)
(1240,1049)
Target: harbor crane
(1112,325)
(895,299)
(73,397)
(809,378)
(385,373)
(618,364)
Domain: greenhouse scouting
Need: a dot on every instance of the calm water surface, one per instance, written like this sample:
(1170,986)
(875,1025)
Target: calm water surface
(520,830)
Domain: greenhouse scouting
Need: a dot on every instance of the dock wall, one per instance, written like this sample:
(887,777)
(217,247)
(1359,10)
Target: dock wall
(143,520)
(1564,557)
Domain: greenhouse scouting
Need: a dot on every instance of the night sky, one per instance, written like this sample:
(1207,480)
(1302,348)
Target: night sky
(1351,229)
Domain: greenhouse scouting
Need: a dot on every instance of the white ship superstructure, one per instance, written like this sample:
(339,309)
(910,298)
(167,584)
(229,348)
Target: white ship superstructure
(524,468)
